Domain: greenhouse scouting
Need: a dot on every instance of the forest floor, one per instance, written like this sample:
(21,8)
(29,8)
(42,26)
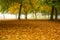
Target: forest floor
(29,30)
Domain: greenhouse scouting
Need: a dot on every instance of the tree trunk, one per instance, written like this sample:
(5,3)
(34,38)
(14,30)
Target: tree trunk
(4,16)
(19,12)
(56,14)
(35,15)
(16,16)
(26,15)
(48,15)
(52,13)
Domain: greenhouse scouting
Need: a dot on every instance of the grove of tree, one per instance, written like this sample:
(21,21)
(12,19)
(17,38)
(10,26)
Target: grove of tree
(30,6)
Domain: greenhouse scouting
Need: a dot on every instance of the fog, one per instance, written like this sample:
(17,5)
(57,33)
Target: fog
(29,16)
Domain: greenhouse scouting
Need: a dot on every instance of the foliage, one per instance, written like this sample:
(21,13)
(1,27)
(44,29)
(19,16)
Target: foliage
(12,6)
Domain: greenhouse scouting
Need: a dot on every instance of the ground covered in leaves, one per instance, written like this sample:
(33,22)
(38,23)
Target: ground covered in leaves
(29,30)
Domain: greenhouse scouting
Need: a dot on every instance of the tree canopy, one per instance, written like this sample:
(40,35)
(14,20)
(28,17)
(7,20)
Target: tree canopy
(13,6)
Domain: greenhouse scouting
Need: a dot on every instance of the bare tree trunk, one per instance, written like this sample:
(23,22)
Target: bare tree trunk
(4,16)
(48,15)
(56,14)
(35,15)
(16,16)
(52,13)
(20,11)
(26,15)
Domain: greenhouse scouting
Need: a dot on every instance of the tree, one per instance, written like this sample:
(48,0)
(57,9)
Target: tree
(35,6)
(14,8)
(53,4)
(26,7)
(57,5)
(4,6)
